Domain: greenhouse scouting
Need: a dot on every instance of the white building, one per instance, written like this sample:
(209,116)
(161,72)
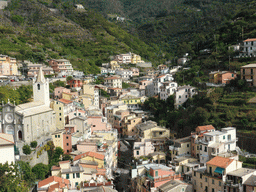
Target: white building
(30,121)
(6,148)
(217,142)
(183,93)
(168,88)
(113,81)
(248,48)
(124,58)
(158,82)
(124,74)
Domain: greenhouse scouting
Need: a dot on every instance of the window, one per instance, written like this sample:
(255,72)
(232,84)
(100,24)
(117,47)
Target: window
(186,90)
(77,175)
(213,181)
(182,189)
(201,185)
(243,71)
(94,125)
(212,189)
(60,119)
(67,137)
(67,176)
(232,75)
(210,170)
(194,174)
(138,152)
(197,147)
(187,145)
(76,183)
(67,144)
(74,175)
(75,114)
(224,137)
(205,149)
(187,168)
(59,108)
(219,183)
(58,136)
(38,86)
(205,179)
(55,136)
(160,133)
(179,96)
(156,173)
(60,114)
(200,147)
(201,175)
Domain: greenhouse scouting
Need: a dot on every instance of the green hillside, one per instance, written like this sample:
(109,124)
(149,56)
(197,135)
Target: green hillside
(38,31)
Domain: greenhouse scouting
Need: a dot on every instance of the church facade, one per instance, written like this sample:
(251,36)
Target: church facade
(33,121)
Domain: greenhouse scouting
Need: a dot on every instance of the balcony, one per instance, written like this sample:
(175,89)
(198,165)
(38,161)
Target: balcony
(232,184)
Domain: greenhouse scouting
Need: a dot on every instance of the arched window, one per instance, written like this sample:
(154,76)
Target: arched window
(38,86)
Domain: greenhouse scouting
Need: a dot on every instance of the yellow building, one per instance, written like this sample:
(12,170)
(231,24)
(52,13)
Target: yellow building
(150,131)
(94,157)
(136,59)
(67,96)
(58,107)
(88,80)
(114,65)
(180,147)
(129,123)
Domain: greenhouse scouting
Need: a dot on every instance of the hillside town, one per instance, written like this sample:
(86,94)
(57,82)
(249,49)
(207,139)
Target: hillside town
(109,142)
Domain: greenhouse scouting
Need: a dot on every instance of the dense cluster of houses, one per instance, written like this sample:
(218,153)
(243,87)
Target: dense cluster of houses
(87,125)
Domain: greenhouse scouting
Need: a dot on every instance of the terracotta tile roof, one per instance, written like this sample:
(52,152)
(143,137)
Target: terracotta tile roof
(205,127)
(253,39)
(91,154)
(160,76)
(65,101)
(55,168)
(96,155)
(81,111)
(52,179)
(109,78)
(61,162)
(220,162)
(79,156)
(6,139)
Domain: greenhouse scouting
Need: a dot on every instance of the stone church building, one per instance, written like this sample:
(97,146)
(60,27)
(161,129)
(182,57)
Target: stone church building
(33,121)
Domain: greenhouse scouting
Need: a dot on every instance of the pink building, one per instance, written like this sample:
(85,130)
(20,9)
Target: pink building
(159,175)
(76,113)
(135,71)
(75,82)
(53,183)
(142,149)
(60,65)
(144,84)
(87,145)
(98,123)
(59,90)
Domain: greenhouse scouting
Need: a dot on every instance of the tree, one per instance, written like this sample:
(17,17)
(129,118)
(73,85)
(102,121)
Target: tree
(58,152)
(125,85)
(66,157)
(200,116)
(11,180)
(26,149)
(69,78)
(40,170)
(26,172)
(33,144)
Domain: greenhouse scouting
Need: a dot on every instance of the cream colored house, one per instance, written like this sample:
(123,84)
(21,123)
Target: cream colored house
(114,65)
(214,175)
(180,147)
(58,107)
(113,81)
(129,122)
(150,131)
(6,148)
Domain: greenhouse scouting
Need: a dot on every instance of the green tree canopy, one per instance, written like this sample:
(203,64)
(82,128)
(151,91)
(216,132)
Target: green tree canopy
(26,149)
(40,170)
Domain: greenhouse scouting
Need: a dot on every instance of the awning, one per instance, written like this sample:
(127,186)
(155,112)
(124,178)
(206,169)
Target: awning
(219,170)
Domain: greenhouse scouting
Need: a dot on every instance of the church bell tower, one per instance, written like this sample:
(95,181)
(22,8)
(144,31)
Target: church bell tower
(41,89)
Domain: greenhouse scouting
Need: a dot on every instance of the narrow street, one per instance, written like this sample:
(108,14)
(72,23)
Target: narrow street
(122,180)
